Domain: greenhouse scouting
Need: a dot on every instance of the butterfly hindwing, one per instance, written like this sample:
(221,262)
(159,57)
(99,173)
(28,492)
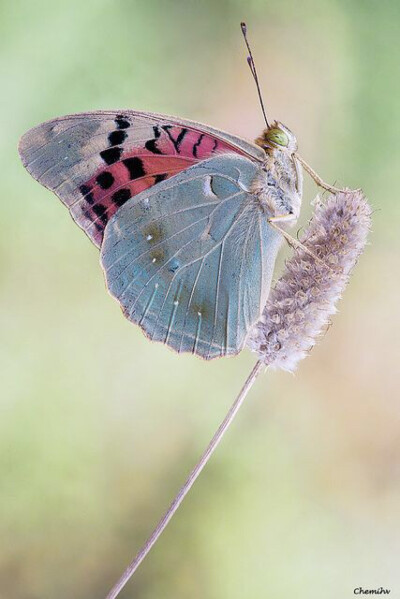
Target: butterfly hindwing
(191,259)
(97,161)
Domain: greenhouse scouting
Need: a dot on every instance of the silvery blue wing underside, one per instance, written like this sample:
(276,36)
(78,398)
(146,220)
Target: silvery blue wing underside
(191,259)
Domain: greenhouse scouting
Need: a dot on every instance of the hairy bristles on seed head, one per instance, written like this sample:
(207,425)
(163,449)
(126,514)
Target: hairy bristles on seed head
(305,296)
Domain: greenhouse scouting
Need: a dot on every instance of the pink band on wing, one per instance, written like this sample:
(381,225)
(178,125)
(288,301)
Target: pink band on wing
(132,170)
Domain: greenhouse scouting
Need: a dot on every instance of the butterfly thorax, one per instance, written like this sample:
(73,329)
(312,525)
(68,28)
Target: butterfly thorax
(279,184)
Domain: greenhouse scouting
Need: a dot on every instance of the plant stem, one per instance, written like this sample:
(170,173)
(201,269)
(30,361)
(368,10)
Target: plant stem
(131,569)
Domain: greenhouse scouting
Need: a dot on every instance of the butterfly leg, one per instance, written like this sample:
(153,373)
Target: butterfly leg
(320,181)
(292,241)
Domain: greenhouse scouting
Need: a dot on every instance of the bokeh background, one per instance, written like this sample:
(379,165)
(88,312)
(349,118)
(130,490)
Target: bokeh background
(99,427)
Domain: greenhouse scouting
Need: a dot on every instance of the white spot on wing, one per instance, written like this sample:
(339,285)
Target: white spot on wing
(207,189)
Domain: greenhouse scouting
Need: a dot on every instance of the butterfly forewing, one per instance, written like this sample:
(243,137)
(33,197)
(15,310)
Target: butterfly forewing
(190,260)
(95,162)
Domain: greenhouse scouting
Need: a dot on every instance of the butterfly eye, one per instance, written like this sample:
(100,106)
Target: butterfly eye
(277,136)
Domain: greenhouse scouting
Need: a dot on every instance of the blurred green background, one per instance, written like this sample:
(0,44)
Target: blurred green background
(99,427)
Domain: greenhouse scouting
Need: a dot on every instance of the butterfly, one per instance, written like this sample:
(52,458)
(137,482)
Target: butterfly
(184,215)
(180,212)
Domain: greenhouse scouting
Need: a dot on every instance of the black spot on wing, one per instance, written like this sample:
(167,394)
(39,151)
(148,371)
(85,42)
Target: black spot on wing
(101,212)
(105,180)
(180,137)
(122,122)
(160,177)
(135,167)
(117,137)
(197,144)
(86,191)
(121,196)
(99,227)
(111,155)
(176,142)
(151,143)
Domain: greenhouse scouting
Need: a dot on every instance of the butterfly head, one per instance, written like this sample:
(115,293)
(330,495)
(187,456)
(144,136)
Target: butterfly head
(277,136)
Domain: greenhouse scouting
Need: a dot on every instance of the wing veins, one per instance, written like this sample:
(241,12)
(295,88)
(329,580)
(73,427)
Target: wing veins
(190,301)
(132,262)
(217,295)
(157,220)
(155,274)
(240,282)
(190,263)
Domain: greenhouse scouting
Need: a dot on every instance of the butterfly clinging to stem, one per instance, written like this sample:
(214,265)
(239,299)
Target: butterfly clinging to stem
(185,216)
(189,221)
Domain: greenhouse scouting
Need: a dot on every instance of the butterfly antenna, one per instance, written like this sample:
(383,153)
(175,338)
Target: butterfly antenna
(250,62)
